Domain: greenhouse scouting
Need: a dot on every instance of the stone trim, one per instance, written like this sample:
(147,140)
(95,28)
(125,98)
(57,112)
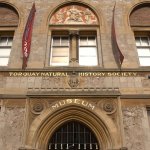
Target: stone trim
(138,96)
(90,92)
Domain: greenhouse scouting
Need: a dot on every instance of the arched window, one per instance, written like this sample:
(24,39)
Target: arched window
(8,23)
(73,136)
(140,23)
(74,36)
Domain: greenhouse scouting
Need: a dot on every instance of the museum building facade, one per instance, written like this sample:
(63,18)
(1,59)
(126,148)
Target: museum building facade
(75,75)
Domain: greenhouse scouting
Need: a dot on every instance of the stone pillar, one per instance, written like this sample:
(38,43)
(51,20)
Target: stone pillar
(74,48)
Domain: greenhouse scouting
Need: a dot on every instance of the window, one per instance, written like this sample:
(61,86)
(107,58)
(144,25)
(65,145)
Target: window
(8,23)
(60,51)
(74,29)
(5,49)
(87,51)
(74,136)
(143,48)
(140,23)
(74,47)
(148,114)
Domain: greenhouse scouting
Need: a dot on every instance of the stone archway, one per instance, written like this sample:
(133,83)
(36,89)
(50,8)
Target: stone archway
(46,124)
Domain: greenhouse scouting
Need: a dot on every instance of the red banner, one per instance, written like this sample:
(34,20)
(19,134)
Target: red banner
(26,40)
(118,54)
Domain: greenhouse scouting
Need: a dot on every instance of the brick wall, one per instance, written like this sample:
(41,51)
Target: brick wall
(8,17)
(140,16)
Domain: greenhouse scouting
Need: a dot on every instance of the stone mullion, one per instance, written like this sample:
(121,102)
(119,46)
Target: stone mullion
(74,48)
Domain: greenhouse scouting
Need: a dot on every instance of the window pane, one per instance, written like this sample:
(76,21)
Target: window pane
(10,40)
(60,51)
(87,51)
(60,61)
(91,41)
(88,61)
(144,61)
(65,41)
(3,41)
(83,41)
(144,41)
(56,41)
(137,39)
(5,51)
(4,61)
(148,114)
(143,51)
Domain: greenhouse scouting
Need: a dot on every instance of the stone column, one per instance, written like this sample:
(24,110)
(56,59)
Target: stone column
(74,47)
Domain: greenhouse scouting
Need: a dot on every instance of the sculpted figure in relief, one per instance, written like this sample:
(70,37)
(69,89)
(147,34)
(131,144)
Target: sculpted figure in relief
(88,16)
(60,16)
(74,15)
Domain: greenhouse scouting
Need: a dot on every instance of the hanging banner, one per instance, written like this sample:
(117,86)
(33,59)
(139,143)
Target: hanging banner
(26,40)
(118,54)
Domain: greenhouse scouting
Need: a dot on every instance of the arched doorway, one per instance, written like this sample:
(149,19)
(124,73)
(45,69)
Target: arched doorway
(73,135)
(44,127)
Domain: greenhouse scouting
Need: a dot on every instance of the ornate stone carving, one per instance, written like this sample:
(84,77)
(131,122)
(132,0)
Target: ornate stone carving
(36,106)
(74,14)
(73,80)
(108,105)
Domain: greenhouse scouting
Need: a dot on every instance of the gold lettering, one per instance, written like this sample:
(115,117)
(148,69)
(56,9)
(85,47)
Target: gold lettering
(109,74)
(69,101)
(103,74)
(55,106)
(61,103)
(11,74)
(77,101)
(19,74)
(37,74)
(91,106)
(84,103)
(134,74)
(25,74)
(65,74)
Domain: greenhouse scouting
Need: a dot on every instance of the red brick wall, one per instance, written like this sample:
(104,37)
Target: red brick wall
(140,16)
(8,17)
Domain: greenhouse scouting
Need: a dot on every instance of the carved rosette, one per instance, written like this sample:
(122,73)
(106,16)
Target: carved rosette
(36,107)
(109,106)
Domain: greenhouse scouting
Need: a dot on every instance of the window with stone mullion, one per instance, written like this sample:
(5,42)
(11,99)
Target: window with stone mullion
(75,48)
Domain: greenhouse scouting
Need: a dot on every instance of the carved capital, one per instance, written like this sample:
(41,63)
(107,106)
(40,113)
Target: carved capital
(74,33)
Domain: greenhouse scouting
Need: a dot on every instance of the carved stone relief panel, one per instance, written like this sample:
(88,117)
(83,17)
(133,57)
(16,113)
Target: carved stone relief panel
(74,14)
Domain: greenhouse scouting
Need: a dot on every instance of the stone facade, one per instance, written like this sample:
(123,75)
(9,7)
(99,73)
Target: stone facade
(112,101)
